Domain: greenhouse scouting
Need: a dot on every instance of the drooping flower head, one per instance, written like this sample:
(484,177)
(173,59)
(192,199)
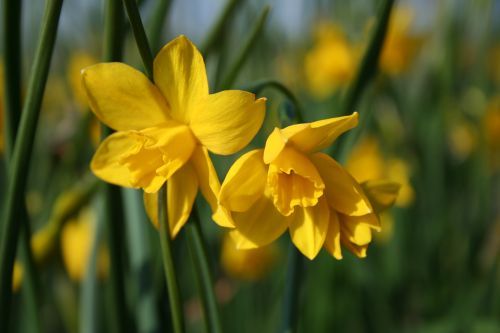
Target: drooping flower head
(165,130)
(291,185)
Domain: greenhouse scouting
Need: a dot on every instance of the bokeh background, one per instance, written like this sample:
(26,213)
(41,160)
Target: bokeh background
(434,127)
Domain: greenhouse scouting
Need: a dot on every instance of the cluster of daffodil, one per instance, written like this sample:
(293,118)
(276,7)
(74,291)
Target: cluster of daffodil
(165,131)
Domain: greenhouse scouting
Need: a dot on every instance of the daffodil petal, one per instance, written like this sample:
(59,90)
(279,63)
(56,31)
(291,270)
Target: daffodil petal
(122,97)
(332,240)
(357,250)
(381,193)
(151,207)
(343,193)
(370,220)
(357,233)
(210,186)
(106,161)
(308,228)
(275,143)
(181,192)
(244,182)
(227,121)
(258,226)
(318,135)
(179,72)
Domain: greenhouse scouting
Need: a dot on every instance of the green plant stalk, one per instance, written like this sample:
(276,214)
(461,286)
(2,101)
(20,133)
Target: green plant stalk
(19,166)
(215,33)
(258,87)
(293,284)
(366,72)
(235,68)
(13,74)
(157,22)
(113,208)
(168,264)
(198,251)
(140,36)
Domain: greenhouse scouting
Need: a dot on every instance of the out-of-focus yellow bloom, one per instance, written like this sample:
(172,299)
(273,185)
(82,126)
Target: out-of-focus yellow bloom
(250,264)
(331,63)
(78,61)
(366,162)
(77,236)
(165,130)
(462,139)
(17,276)
(291,185)
(400,45)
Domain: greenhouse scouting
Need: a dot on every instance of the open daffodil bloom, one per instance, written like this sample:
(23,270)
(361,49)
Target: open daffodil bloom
(291,185)
(165,130)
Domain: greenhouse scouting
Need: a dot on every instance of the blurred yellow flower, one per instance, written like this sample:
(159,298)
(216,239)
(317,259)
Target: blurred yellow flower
(77,237)
(165,130)
(461,139)
(291,185)
(250,264)
(400,45)
(77,62)
(331,63)
(366,162)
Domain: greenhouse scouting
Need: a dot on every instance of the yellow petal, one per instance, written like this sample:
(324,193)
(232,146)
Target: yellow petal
(381,193)
(179,72)
(358,229)
(210,186)
(274,145)
(359,251)
(106,163)
(227,121)
(343,193)
(258,226)
(308,228)
(293,181)
(182,188)
(122,97)
(244,182)
(318,135)
(332,240)
(181,192)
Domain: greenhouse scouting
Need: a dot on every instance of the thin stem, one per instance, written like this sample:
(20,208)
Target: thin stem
(140,36)
(258,87)
(198,251)
(292,290)
(168,264)
(369,63)
(235,68)
(216,32)
(18,171)
(113,208)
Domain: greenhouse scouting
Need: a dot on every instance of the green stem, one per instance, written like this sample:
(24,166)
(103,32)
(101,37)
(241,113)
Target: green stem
(292,290)
(157,22)
(140,36)
(215,33)
(229,79)
(199,255)
(168,264)
(113,208)
(258,87)
(13,74)
(369,63)
(18,171)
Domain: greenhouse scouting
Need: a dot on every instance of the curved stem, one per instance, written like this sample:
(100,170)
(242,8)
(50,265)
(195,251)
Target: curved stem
(168,264)
(199,255)
(21,157)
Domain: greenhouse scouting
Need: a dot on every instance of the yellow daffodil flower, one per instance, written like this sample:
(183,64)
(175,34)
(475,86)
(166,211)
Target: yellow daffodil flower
(400,45)
(77,236)
(250,264)
(78,61)
(331,63)
(291,185)
(165,130)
